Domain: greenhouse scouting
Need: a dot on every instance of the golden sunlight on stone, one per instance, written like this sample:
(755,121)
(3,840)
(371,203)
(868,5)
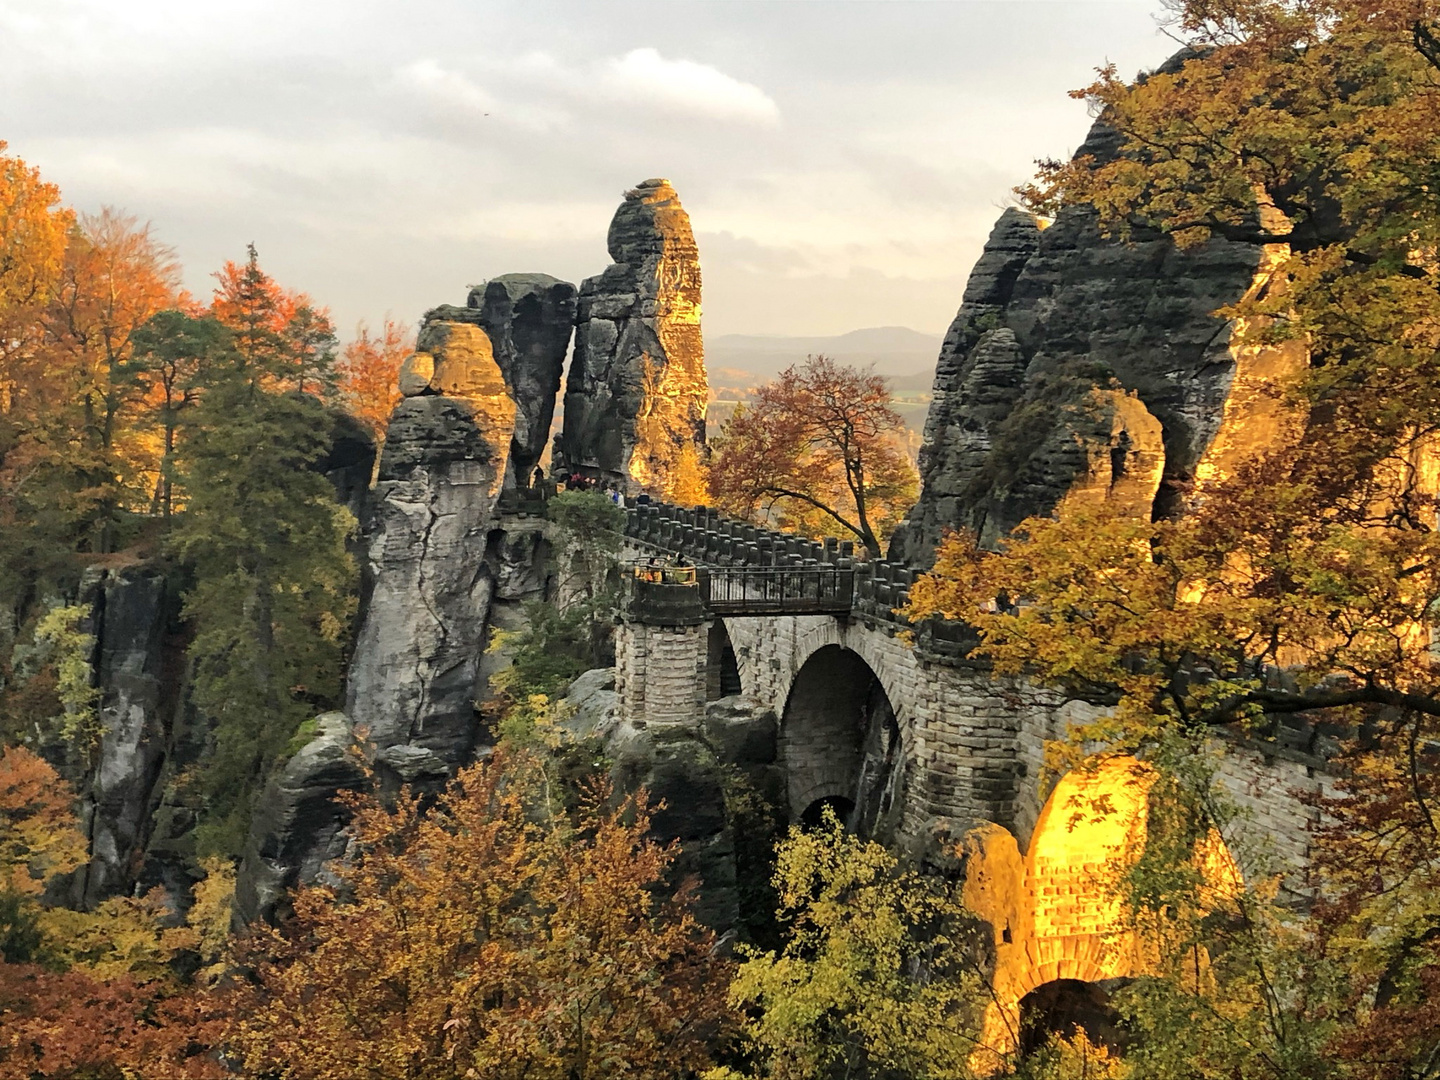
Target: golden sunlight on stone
(1055,912)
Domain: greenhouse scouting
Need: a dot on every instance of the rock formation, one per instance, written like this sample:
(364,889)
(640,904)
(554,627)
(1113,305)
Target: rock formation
(1085,368)
(131,612)
(636,394)
(298,825)
(413,675)
(694,770)
(529,318)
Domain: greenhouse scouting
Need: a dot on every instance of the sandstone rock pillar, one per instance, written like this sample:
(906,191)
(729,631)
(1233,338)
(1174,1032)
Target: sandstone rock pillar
(636,395)
(413,677)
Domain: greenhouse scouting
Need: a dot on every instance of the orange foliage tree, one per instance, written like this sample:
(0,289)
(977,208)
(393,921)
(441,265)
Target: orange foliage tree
(489,937)
(33,232)
(369,370)
(817,448)
(138,1019)
(1306,582)
(278,333)
(38,839)
(117,275)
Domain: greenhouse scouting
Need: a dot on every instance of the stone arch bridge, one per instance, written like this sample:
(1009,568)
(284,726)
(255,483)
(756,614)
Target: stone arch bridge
(911,740)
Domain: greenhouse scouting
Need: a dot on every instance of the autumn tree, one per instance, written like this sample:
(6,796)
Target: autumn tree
(274,584)
(490,937)
(116,276)
(85,993)
(33,234)
(369,370)
(281,337)
(1301,583)
(816,449)
(875,979)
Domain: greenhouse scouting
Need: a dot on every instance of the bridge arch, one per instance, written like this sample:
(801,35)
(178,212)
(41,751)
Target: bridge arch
(841,743)
(722,670)
(1062,941)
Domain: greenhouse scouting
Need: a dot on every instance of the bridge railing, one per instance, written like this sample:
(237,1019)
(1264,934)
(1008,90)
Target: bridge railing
(760,590)
(704,536)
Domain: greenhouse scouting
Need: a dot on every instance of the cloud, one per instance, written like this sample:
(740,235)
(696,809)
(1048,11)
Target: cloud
(445,87)
(684,86)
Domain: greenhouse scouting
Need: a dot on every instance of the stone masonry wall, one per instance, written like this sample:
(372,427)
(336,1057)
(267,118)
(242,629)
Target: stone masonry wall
(660,673)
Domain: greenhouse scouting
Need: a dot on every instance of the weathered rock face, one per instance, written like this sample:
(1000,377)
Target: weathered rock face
(132,610)
(636,394)
(298,825)
(529,318)
(1077,367)
(413,676)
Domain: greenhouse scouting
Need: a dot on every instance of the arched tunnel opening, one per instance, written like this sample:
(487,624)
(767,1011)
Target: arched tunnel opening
(841,745)
(722,671)
(1069,1007)
(814,815)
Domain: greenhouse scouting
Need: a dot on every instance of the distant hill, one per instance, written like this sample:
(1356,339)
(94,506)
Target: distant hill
(897,352)
(737,362)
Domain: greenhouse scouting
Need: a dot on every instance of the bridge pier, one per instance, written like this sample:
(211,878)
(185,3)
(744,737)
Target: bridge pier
(662,656)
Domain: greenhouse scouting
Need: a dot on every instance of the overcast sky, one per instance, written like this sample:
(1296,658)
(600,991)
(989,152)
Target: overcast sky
(842,163)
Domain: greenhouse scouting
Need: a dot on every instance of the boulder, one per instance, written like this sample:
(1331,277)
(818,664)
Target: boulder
(298,825)
(742,731)
(416,371)
(589,708)
(636,394)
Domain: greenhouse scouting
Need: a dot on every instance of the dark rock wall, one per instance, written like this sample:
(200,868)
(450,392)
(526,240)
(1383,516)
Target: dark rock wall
(529,318)
(133,612)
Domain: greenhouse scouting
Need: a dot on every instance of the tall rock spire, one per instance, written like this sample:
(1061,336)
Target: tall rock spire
(636,394)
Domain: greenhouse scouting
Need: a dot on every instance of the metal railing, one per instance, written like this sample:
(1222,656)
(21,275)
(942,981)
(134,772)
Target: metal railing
(774,590)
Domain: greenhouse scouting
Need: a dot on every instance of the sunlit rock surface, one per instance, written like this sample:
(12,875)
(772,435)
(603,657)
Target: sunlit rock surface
(635,398)
(1070,354)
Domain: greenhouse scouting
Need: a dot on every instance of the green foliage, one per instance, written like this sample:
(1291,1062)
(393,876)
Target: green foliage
(274,584)
(70,650)
(758,829)
(592,528)
(1237,988)
(21,939)
(548,653)
(565,634)
(871,981)
(529,724)
(171,351)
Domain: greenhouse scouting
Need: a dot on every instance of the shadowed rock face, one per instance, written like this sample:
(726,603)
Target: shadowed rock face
(635,398)
(130,610)
(1077,367)
(529,318)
